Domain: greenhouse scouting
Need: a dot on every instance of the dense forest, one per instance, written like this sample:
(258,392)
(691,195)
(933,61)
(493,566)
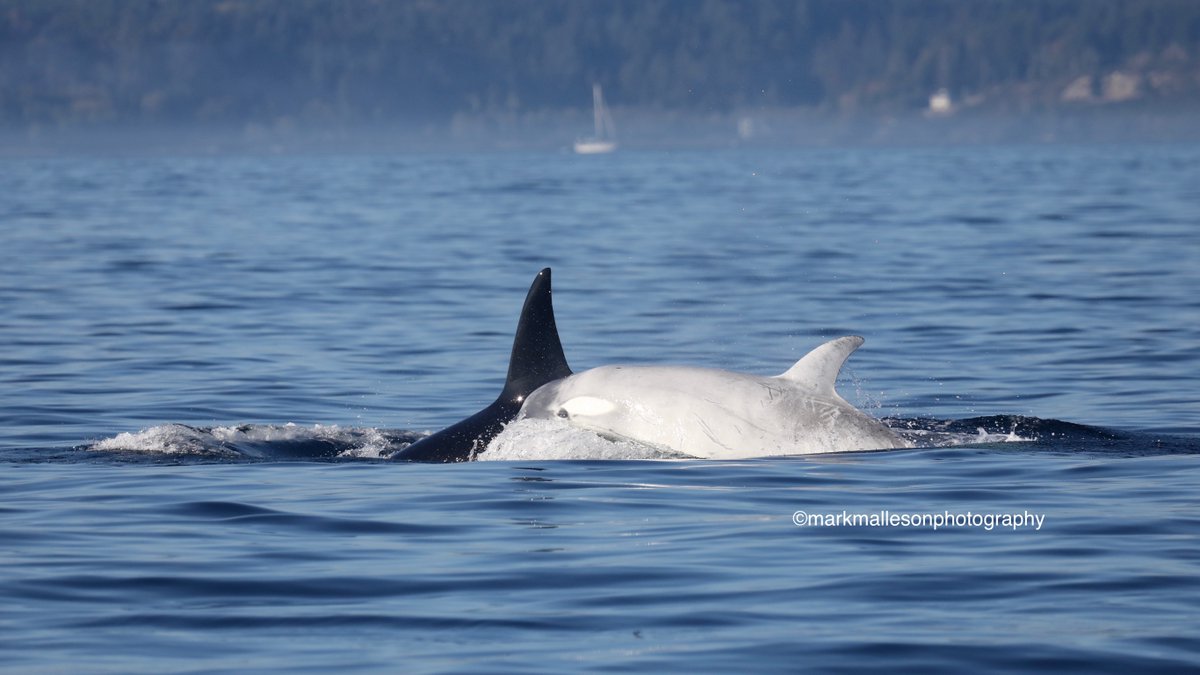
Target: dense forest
(86,62)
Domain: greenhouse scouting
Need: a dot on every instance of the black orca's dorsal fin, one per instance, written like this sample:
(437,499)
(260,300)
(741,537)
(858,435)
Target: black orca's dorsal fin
(537,353)
(537,358)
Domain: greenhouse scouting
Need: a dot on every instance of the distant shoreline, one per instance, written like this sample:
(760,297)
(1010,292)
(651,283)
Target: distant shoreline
(638,130)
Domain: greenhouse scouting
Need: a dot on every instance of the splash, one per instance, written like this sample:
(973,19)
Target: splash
(168,439)
(929,433)
(538,439)
(259,441)
(529,439)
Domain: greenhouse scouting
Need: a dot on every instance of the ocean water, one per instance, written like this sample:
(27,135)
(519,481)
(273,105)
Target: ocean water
(206,362)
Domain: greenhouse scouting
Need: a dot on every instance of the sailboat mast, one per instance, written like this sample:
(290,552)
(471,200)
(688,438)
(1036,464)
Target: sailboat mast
(597,107)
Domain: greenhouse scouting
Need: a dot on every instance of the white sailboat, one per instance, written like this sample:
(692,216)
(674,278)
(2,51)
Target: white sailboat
(605,138)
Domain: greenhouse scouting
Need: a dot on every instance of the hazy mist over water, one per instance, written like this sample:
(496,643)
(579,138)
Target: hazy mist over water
(638,130)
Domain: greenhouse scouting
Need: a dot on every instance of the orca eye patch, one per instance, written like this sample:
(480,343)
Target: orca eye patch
(585,406)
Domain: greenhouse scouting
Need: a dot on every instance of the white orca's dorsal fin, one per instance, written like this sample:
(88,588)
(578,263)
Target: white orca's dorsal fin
(818,370)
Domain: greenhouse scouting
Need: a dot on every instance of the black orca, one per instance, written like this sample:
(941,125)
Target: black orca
(537,358)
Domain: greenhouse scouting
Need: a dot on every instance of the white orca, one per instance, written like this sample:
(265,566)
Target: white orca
(537,358)
(710,413)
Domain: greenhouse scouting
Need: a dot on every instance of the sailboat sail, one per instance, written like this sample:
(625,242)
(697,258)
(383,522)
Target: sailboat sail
(604,138)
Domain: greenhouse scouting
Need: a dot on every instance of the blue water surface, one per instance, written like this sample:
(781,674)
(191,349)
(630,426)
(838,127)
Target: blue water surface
(205,359)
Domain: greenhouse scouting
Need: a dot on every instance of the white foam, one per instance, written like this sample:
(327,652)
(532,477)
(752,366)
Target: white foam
(926,438)
(548,439)
(528,439)
(983,436)
(371,444)
(179,439)
(363,443)
(538,439)
(168,439)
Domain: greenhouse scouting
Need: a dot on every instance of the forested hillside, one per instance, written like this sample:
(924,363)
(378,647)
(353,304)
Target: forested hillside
(86,62)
